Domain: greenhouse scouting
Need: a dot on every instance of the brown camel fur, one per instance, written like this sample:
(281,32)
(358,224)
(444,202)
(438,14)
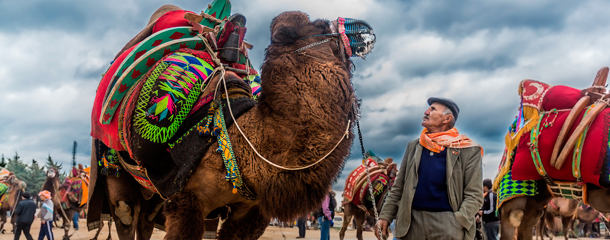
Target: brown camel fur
(16,187)
(524,212)
(350,209)
(306,103)
(586,215)
(52,184)
(563,208)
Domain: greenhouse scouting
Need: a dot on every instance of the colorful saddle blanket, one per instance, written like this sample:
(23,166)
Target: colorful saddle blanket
(510,188)
(356,184)
(74,189)
(160,118)
(356,179)
(593,161)
(169,27)
(555,102)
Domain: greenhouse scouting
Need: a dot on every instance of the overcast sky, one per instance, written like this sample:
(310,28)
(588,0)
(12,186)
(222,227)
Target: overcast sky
(474,52)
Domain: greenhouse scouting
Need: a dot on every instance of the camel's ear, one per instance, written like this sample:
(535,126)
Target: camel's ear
(388,160)
(285,35)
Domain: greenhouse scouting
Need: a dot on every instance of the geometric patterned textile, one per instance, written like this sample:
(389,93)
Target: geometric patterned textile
(510,189)
(169,94)
(3,189)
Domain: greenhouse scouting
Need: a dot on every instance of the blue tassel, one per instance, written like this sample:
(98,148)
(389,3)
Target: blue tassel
(216,131)
(219,150)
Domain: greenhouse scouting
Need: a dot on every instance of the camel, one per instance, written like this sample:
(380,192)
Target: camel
(64,209)
(289,147)
(100,230)
(10,199)
(521,211)
(566,210)
(586,215)
(364,208)
(122,190)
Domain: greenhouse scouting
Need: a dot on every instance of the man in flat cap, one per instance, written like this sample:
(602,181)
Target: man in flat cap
(438,190)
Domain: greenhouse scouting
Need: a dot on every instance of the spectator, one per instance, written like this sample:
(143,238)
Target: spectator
(46,216)
(491,221)
(25,211)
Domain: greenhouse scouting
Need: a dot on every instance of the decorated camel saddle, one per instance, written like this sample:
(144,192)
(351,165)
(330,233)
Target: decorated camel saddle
(6,179)
(75,188)
(173,91)
(561,136)
(382,174)
(168,91)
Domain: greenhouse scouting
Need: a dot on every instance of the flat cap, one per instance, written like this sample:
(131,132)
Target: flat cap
(455,110)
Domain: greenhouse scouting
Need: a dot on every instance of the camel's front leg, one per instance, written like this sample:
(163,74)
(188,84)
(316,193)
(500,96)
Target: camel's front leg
(184,217)
(244,223)
(124,200)
(151,210)
(347,219)
(512,215)
(98,230)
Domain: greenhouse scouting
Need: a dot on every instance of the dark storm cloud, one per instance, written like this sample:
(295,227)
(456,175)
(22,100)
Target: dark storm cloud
(459,18)
(474,52)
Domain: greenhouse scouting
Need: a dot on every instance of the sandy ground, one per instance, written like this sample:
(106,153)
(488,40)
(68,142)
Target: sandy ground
(272,232)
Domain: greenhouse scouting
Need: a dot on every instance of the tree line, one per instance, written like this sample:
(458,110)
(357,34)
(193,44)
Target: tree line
(33,173)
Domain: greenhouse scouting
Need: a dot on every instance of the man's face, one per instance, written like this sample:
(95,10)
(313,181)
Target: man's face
(434,117)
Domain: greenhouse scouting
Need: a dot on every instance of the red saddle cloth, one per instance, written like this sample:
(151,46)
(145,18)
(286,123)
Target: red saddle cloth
(108,133)
(594,150)
(356,179)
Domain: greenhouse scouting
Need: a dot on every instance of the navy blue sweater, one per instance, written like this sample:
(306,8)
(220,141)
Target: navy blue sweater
(431,192)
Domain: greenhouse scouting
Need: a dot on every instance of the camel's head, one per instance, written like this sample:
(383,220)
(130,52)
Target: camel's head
(51,173)
(294,33)
(16,187)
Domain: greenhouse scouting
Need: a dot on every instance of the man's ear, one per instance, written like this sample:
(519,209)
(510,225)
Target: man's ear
(447,118)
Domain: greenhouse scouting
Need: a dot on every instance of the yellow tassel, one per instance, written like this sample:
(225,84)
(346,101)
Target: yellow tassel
(234,190)
(531,114)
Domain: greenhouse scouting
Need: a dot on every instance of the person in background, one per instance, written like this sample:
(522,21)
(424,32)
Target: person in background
(326,215)
(25,211)
(491,221)
(46,216)
(75,220)
(301,224)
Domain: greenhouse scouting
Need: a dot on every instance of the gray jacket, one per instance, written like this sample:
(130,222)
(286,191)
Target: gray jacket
(464,186)
(46,211)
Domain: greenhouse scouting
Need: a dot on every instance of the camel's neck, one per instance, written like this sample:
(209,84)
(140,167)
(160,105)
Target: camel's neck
(304,110)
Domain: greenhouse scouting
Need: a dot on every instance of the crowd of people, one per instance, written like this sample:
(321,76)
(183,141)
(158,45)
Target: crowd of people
(25,213)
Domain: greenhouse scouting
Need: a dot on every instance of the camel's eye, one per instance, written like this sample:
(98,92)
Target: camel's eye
(322,25)
(285,35)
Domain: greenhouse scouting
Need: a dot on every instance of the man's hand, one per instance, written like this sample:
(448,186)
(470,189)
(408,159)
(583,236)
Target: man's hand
(383,224)
(43,222)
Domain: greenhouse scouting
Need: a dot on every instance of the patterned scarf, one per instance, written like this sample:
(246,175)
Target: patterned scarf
(437,142)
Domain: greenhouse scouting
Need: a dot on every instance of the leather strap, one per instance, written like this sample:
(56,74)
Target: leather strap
(576,110)
(599,106)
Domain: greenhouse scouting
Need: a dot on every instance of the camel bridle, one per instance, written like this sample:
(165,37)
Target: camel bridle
(221,70)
